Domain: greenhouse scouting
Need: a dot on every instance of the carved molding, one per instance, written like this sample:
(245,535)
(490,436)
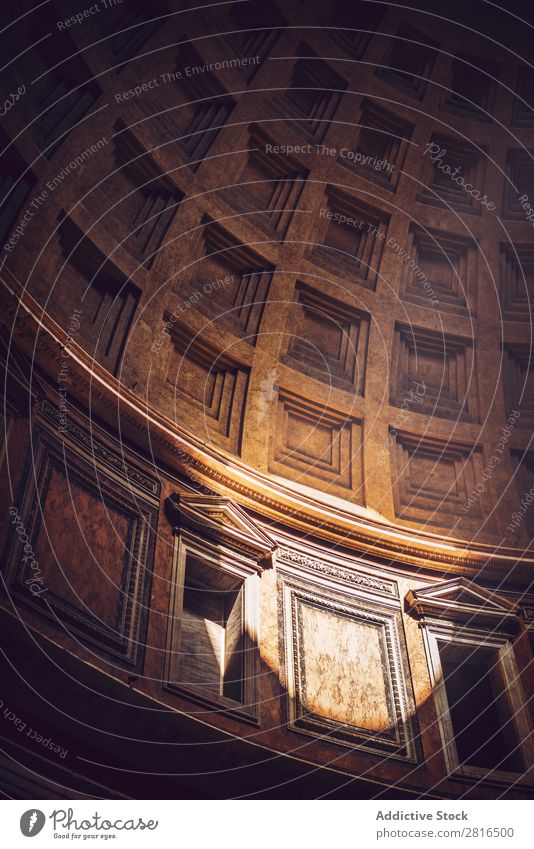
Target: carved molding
(21,387)
(396,738)
(124,638)
(348,576)
(222,520)
(172,444)
(460,601)
(98,451)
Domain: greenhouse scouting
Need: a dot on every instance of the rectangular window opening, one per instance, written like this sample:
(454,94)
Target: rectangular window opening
(211,656)
(480,713)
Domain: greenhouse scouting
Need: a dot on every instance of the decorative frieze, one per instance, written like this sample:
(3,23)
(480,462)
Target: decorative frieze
(339,573)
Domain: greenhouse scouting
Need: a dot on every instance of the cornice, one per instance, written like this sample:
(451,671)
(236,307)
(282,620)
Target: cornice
(222,520)
(460,601)
(44,341)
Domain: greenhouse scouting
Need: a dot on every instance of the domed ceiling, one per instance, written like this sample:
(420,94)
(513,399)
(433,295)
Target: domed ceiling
(306,246)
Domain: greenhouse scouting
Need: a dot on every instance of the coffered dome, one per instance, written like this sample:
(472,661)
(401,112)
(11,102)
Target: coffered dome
(268,273)
(302,248)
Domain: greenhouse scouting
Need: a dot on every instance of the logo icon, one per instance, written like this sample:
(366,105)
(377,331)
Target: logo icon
(31,822)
